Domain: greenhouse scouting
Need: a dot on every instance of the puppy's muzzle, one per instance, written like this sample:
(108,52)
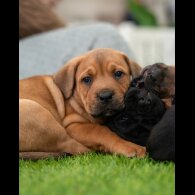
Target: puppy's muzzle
(145,100)
(105,96)
(107,104)
(153,72)
(152,77)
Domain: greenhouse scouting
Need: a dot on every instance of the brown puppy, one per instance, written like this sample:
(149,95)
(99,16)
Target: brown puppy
(64,112)
(159,78)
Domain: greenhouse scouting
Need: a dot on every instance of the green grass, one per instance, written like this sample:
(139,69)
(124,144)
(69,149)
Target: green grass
(96,174)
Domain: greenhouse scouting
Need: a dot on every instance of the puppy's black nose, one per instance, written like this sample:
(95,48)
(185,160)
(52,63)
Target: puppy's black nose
(152,77)
(145,100)
(154,74)
(105,96)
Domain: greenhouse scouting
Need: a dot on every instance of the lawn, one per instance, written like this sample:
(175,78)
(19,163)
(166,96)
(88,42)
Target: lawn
(96,174)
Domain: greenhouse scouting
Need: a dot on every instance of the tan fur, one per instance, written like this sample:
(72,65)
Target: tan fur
(56,111)
(36,17)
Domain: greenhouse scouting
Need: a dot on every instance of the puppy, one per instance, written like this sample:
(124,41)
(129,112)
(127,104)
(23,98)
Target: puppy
(160,79)
(64,112)
(143,109)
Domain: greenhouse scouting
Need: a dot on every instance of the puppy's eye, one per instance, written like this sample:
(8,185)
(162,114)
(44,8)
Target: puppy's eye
(141,84)
(118,74)
(87,80)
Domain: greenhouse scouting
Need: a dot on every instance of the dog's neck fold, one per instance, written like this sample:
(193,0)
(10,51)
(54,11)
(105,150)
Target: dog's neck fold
(76,112)
(57,97)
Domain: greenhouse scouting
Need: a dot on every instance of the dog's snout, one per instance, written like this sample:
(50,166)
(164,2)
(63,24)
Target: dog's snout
(105,96)
(154,74)
(146,100)
(152,77)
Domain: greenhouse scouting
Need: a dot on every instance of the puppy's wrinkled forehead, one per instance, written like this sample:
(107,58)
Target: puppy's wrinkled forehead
(101,59)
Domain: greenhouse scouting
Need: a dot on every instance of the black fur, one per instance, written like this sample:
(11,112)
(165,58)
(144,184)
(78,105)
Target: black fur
(161,142)
(144,125)
(142,111)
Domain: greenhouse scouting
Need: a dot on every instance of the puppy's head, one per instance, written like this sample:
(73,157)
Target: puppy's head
(98,80)
(143,103)
(143,110)
(159,79)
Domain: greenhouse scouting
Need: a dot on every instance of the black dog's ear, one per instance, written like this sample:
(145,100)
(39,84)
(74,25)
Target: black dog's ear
(137,82)
(133,83)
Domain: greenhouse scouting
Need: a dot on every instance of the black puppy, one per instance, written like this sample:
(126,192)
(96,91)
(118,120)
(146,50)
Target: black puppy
(143,109)
(135,123)
(160,79)
(161,142)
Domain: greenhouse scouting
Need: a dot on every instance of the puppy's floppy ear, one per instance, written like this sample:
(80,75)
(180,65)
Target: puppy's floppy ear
(134,68)
(65,77)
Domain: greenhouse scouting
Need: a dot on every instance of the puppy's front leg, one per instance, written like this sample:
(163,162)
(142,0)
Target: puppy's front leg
(100,138)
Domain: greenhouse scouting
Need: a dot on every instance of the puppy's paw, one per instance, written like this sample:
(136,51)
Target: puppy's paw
(141,151)
(130,150)
(130,153)
(136,151)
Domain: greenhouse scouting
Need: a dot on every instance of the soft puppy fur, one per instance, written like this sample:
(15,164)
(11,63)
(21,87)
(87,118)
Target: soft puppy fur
(161,142)
(64,112)
(142,111)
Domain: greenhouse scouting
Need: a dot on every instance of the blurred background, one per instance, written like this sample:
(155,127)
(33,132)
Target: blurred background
(148,26)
